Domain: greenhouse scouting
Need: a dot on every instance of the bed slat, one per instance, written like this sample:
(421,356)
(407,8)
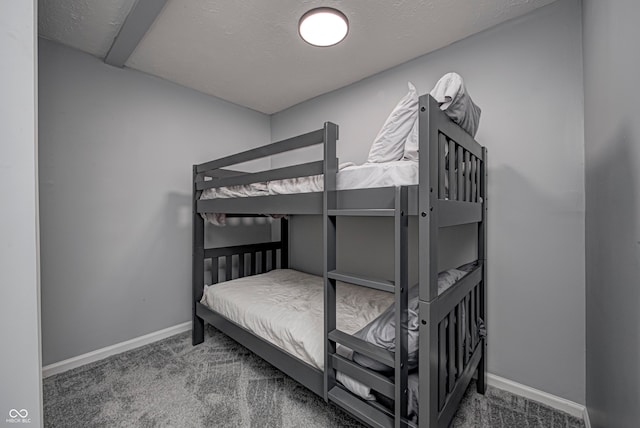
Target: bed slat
(241,272)
(284,241)
(467,177)
(263,262)
(474,322)
(451,357)
(273,259)
(453,192)
(467,338)
(460,166)
(459,339)
(442,363)
(478,180)
(228,268)
(474,166)
(214,270)
(253,264)
(442,165)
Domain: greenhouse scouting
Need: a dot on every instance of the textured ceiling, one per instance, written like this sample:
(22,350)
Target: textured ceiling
(88,25)
(248,52)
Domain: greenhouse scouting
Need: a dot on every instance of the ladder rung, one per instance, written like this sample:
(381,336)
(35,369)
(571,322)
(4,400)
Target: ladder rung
(365,348)
(387,212)
(360,409)
(375,380)
(378,284)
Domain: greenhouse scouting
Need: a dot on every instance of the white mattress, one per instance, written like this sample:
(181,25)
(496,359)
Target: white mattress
(350,176)
(286,308)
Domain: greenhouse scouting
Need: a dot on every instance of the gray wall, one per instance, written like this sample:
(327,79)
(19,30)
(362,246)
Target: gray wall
(527,76)
(20,385)
(612,140)
(116,149)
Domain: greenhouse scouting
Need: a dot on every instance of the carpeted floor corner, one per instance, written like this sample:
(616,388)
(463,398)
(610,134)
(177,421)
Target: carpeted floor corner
(221,384)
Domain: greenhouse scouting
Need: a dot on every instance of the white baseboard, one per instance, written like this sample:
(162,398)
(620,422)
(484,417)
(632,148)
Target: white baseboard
(558,403)
(118,348)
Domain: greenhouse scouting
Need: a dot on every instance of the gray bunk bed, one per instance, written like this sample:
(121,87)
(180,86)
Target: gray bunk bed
(451,191)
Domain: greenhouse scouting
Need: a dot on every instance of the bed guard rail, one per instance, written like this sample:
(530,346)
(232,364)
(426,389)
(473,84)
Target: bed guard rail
(220,176)
(452,187)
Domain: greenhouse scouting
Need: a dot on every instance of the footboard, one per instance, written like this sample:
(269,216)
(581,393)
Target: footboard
(243,260)
(239,261)
(456,340)
(226,263)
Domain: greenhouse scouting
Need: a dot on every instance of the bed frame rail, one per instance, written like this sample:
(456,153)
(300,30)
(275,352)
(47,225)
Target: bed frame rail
(452,190)
(297,142)
(456,343)
(301,170)
(459,335)
(452,185)
(242,260)
(214,174)
(245,260)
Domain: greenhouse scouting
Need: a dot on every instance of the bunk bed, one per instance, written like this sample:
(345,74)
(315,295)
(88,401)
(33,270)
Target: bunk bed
(450,323)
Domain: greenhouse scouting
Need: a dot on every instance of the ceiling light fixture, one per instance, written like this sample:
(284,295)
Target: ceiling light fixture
(323,26)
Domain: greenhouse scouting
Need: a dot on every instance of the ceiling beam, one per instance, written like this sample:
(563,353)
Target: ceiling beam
(135,26)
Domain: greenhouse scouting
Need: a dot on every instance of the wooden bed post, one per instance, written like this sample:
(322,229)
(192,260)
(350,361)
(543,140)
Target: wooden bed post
(197,332)
(329,243)
(427,256)
(401,285)
(428,124)
(482,255)
(284,242)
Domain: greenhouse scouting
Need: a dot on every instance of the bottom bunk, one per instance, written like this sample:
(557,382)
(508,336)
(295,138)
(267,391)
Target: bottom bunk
(279,315)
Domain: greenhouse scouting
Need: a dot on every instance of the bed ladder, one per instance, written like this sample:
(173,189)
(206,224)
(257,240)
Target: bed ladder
(369,412)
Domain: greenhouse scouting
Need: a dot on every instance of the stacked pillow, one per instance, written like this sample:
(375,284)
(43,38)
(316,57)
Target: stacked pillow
(388,146)
(398,137)
(454,100)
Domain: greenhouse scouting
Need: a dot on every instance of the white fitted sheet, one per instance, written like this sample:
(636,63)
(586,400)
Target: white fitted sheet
(286,308)
(350,176)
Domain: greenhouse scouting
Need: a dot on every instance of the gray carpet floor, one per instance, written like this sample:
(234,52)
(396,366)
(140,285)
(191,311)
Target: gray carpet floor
(221,384)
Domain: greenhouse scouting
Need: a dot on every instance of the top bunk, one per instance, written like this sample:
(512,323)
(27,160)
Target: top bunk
(449,177)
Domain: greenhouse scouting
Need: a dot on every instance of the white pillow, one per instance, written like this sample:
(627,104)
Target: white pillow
(388,145)
(411,145)
(359,389)
(454,100)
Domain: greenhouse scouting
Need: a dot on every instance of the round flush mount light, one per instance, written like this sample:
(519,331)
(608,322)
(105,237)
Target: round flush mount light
(323,26)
